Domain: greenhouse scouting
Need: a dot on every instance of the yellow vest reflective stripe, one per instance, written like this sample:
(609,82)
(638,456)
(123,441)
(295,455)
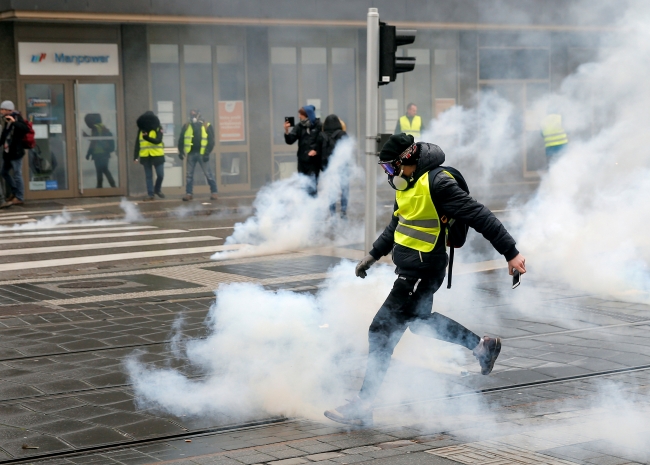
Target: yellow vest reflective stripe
(149,149)
(189,135)
(411,127)
(418,221)
(553,131)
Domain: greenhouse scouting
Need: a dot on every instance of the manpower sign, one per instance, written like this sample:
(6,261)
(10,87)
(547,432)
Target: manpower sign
(56,59)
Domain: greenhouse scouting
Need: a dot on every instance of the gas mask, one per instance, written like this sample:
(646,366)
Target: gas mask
(396,179)
(194,116)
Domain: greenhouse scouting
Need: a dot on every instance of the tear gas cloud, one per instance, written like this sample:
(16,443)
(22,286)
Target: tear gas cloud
(586,225)
(131,214)
(282,353)
(287,218)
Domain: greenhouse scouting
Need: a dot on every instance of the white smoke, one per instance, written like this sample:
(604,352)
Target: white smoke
(131,211)
(287,218)
(479,140)
(44,223)
(281,352)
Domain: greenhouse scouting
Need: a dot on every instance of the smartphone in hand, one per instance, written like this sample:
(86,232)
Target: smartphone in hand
(291,120)
(516,279)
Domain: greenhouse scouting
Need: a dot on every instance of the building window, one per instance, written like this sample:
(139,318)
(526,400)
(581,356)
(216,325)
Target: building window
(199,85)
(513,63)
(344,87)
(166,89)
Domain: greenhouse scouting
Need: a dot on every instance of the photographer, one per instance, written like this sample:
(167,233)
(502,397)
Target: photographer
(306,133)
(14,130)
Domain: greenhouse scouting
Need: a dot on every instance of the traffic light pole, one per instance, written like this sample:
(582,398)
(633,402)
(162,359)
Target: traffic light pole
(372,98)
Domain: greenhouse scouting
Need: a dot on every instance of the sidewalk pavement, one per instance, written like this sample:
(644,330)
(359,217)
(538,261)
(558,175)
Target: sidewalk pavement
(541,405)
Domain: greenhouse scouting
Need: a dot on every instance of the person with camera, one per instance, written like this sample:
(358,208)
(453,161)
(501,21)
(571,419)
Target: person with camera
(427,197)
(196,141)
(306,133)
(14,130)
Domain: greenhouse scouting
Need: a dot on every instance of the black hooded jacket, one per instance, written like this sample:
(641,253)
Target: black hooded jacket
(307,135)
(327,139)
(148,122)
(450,200)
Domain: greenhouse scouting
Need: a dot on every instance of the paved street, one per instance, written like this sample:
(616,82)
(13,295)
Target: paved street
(571,385)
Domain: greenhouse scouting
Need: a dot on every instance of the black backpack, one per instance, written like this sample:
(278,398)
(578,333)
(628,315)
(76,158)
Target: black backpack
(456,230)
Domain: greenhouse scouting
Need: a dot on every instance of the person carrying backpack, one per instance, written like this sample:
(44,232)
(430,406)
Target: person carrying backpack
(428,197)
(331,134)
(100,148)
(15,131)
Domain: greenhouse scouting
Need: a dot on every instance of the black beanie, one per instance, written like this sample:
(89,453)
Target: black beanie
(394,147)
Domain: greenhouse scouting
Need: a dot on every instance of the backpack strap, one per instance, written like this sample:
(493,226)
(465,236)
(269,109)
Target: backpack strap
(446,223)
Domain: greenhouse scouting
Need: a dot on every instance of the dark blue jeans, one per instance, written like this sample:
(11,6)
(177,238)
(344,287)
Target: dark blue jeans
(192,160)
(14,181)
(148,174)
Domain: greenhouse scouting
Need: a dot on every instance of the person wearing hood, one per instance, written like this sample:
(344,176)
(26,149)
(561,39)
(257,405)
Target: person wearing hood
(150,150)
(100,148)
(416,238)
(306,133)
(331,134)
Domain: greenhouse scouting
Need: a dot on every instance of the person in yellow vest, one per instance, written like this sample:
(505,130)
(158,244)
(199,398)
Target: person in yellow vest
(410,123)
(427,196)
(196,142)
(150,150)
(555,137)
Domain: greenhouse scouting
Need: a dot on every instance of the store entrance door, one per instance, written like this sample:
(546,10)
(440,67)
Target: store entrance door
(79,144)
(96,139)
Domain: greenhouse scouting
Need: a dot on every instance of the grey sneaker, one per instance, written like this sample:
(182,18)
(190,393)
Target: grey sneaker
(148,198)
(187,197)
(356,412)
(486,352)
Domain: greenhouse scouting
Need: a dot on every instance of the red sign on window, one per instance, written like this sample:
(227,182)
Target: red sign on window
(231,121)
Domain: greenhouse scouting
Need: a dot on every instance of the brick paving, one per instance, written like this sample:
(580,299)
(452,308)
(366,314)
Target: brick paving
(63,388)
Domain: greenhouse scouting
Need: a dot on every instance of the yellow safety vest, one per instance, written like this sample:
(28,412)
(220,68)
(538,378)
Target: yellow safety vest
(419,223)
(149,149)
(189,135)
(553,131)
(411,127)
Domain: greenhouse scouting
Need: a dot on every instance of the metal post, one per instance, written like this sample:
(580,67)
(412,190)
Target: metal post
(372,97)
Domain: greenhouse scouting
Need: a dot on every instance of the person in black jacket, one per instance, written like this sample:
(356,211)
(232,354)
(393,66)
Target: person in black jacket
(149,149)
(421,269)
(100,148)
(306,133)
(14,130)
(331,134)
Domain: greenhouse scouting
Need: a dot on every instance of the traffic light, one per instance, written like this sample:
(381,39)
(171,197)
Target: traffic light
(389,65)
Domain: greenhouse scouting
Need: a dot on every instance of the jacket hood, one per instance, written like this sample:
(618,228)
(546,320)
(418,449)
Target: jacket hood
(431,156)
(332,123)
(310,110)
(148,122)
(92,119)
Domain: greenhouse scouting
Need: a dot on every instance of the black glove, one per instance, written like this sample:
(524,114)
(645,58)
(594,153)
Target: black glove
(206,158)
(88,156)
(363,266)
(181,156)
